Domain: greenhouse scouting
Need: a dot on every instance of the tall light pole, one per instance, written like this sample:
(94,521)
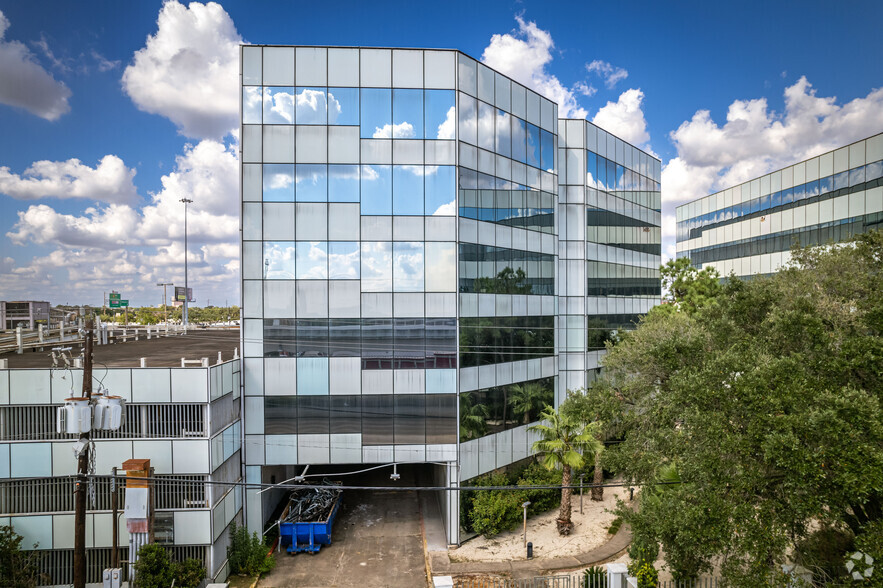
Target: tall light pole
(186,201)
(165,312)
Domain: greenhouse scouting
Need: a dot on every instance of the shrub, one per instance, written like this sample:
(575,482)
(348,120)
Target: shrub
(154,567)
(647,576)
(643,550)
(467,498)
(247,554)
(496,511)
(541,500)
(613,529)
(189,573)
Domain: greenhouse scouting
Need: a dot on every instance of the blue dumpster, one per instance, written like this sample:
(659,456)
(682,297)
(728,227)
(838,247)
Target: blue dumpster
(309,536)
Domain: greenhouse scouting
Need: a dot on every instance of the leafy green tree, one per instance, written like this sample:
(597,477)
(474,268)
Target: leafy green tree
(507,281)
(565,443)
(189,573)
(528,398)
(769,400)
(18,568)
(689,289)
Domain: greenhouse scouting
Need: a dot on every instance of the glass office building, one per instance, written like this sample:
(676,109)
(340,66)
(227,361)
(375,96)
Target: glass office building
(400,261)
(749,229)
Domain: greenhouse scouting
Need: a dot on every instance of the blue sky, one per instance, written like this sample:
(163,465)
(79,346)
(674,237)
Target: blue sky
(720,92)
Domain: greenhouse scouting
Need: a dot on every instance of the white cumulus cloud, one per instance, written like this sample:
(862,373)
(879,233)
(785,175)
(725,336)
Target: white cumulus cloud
(755,140)
(403,130)
(188,71)
(109,181)
(25,84)
(523,56)
(612,75)
(624,118)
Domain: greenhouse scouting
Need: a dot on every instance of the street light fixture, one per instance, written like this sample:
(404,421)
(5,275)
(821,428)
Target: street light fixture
(186,201)
(165,312)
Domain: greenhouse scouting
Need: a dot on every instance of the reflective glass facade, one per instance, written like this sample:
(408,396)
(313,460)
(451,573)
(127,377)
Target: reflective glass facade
(749,229)
(609,210)
(401,263)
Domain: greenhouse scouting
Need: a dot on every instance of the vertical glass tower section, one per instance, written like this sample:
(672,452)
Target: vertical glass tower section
(507,182)
(398,255)
(609,211)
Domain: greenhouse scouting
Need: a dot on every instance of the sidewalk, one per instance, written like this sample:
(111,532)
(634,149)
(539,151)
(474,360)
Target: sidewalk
(441,564)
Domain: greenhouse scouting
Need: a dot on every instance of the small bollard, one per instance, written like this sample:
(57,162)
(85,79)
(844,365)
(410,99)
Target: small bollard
(530,550)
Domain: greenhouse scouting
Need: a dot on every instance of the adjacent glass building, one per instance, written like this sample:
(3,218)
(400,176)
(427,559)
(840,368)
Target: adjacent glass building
(749,229)
(400,261)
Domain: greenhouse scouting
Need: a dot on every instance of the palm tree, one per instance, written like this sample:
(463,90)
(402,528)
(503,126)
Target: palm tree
(526,398)
(473,418)
(566,442)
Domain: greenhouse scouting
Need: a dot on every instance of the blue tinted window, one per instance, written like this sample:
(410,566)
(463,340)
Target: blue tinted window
(376,185)
(841,180)
(376,110)
(343,106)
(547,151)
(765,202)
(407,189)
(602,174)
(591,170)
(812,188)
(826,184)
(874,171)
(440,190)
(407,114)
(312,183)
(440,114)
(788,196)
(620,178)
(857,176)
(776,199)
(533,145)
(503,133)
(278,182)
(343,183)
(755,205)
(799,192)
(311,107)
(519,140)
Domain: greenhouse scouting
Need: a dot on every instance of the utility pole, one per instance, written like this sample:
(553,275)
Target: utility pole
(186,322)
(115,551)
(164,310)
(82,471)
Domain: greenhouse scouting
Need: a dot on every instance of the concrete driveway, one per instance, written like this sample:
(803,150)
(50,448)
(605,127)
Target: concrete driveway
(377,542)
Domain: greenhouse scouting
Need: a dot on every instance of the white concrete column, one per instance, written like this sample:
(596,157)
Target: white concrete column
(616,575)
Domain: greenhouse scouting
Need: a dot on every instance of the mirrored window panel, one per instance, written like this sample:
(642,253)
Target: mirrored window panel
(376,109)
(440,113)
(441,190)
(547,151)
(279,260)
(279,340)
(280,415)
(343,183)
(311,260)
(377,344)
(311,106)
(533,145)
(343,106)
(278,182)
(408,266)
(278,106)
(376,182)
(343,260)
(468,119)
(407,189)
(376,266)
(490,340)
(503,407)
(503,137)
(312,182)
(344,337)
(252,105)
(407,114)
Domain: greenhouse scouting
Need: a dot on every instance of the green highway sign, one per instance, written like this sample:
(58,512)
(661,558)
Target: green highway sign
(114,303)
(114,296)
(124,303)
